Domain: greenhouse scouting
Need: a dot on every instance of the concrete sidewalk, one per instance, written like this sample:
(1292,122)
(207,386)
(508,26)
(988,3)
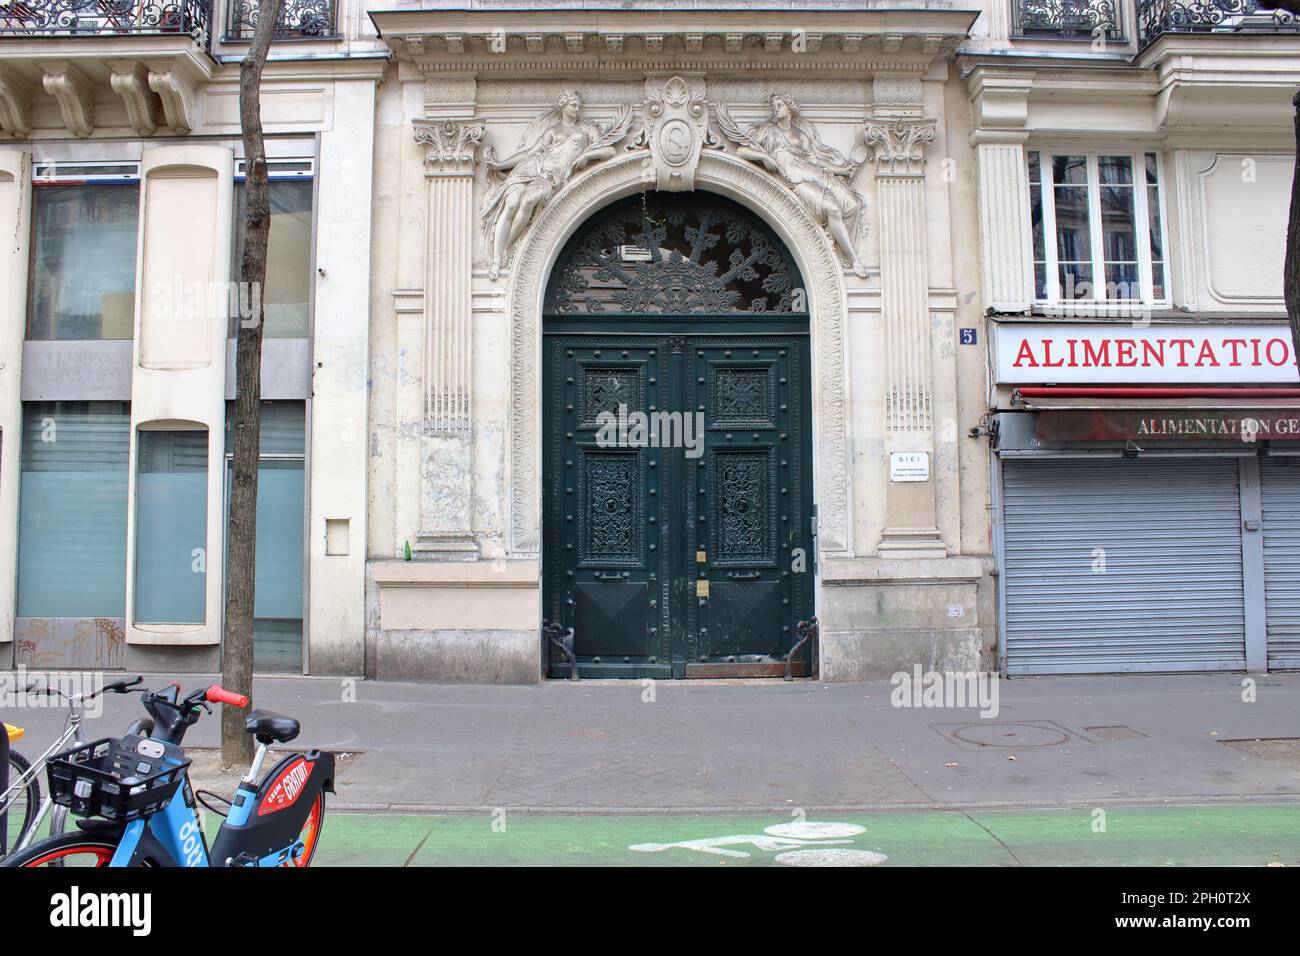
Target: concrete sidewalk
(715,747)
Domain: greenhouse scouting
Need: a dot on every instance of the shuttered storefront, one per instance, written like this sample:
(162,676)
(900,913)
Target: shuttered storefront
(1280,497)
(1113,564)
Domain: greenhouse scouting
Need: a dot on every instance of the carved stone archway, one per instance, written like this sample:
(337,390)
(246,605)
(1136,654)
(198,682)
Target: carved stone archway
(729,176)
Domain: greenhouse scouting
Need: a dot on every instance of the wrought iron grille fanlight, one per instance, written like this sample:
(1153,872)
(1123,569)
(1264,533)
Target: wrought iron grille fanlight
(675,254)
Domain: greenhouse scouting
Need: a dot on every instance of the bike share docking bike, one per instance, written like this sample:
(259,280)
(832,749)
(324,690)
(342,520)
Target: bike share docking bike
(137,807)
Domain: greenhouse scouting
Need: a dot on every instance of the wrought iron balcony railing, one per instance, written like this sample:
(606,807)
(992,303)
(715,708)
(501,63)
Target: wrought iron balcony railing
(299,19)
(1158,17)
(107,18)
(1067,19)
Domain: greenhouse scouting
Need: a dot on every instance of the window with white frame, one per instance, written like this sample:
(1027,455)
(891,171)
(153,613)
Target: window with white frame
(1098,232)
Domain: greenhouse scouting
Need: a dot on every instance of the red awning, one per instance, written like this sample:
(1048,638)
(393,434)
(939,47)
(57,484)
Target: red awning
(1069,396)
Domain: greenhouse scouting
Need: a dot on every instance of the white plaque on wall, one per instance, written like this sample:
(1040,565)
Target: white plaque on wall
(909,466)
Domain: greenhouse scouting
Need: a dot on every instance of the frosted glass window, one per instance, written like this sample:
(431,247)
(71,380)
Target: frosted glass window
(83,261)
(171,527)
(277,612)
(72,509)
(288,257)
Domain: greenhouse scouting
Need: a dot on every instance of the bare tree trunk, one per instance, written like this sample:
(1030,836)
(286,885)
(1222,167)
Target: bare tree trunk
(241,538)
(1291,268)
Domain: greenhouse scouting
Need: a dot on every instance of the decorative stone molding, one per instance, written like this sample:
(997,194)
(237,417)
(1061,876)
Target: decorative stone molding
(675,120)
(896,96)
(15,104)
(443,449)
(450,147)
(1000,112)
(789,146)
(547,41)
(555,146)
(131,82)
(76,96)
(178,96)
(786,213)
(449,162)
(1003,195)
(450,97)
(899,146)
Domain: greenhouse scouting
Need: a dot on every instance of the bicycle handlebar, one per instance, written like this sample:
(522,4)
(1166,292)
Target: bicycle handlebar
(216,694)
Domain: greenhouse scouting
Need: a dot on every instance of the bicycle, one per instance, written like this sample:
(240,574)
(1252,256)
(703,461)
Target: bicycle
(125,789)
(21,807)
(18,802)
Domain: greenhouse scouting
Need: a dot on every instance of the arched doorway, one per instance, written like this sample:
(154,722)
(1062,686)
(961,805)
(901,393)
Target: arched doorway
(677,462)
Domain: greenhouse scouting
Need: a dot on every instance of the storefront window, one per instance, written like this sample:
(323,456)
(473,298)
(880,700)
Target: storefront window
(288,257)
(278,611)
(72,509)
(171,527)
(83,261)
(1096,227)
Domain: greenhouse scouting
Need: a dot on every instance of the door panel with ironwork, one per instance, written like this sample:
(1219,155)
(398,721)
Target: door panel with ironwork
(678,544)
(752,537)
(602,506)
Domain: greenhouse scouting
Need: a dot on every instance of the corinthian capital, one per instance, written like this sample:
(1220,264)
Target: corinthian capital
(899,145)
(450,147)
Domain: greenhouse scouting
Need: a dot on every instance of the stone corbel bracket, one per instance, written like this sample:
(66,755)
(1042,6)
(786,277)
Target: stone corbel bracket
(75,94)
(178,91)
(999,105)
(15,103)
(131,82)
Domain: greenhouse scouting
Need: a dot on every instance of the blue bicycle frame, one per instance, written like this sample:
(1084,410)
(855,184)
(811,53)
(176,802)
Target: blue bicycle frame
(174,835)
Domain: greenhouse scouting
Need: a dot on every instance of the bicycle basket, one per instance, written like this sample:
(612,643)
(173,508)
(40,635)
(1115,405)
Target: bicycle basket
(118,779)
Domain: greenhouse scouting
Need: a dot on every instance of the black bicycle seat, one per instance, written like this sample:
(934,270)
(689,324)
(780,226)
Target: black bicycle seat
(268,726)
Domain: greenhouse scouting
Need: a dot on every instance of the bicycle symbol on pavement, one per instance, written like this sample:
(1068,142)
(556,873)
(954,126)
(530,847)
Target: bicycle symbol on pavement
(804,843)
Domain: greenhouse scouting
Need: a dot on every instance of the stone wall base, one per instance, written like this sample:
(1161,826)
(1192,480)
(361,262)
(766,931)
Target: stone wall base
(461,656)
(880,616)
(462,622)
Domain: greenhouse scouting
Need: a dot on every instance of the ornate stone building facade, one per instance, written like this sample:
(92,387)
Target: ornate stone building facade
(822,123)
(795,238)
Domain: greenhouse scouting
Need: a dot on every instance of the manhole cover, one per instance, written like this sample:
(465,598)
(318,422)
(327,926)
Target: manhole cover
(1115,732)
(1011,735)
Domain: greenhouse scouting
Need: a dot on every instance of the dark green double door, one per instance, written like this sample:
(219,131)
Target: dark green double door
(683,548)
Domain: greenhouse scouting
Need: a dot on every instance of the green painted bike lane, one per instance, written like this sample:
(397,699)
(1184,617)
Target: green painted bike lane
(1213,835)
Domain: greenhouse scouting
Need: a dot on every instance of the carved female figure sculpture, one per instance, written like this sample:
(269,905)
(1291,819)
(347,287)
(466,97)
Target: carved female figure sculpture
(822,176)
(553,148)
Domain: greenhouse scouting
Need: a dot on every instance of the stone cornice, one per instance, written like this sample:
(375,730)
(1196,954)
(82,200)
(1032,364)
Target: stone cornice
(566,41)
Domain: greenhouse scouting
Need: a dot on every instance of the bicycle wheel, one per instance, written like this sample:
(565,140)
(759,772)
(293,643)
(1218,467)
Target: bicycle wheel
(21,810)
(69,849)
(310,834)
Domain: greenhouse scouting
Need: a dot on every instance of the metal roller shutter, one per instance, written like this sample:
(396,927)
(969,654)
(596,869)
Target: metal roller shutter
(1170,597)
(1280,496)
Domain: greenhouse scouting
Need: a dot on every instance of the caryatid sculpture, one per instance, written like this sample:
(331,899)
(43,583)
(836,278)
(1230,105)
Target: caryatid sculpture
(555,146)
(820,175)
